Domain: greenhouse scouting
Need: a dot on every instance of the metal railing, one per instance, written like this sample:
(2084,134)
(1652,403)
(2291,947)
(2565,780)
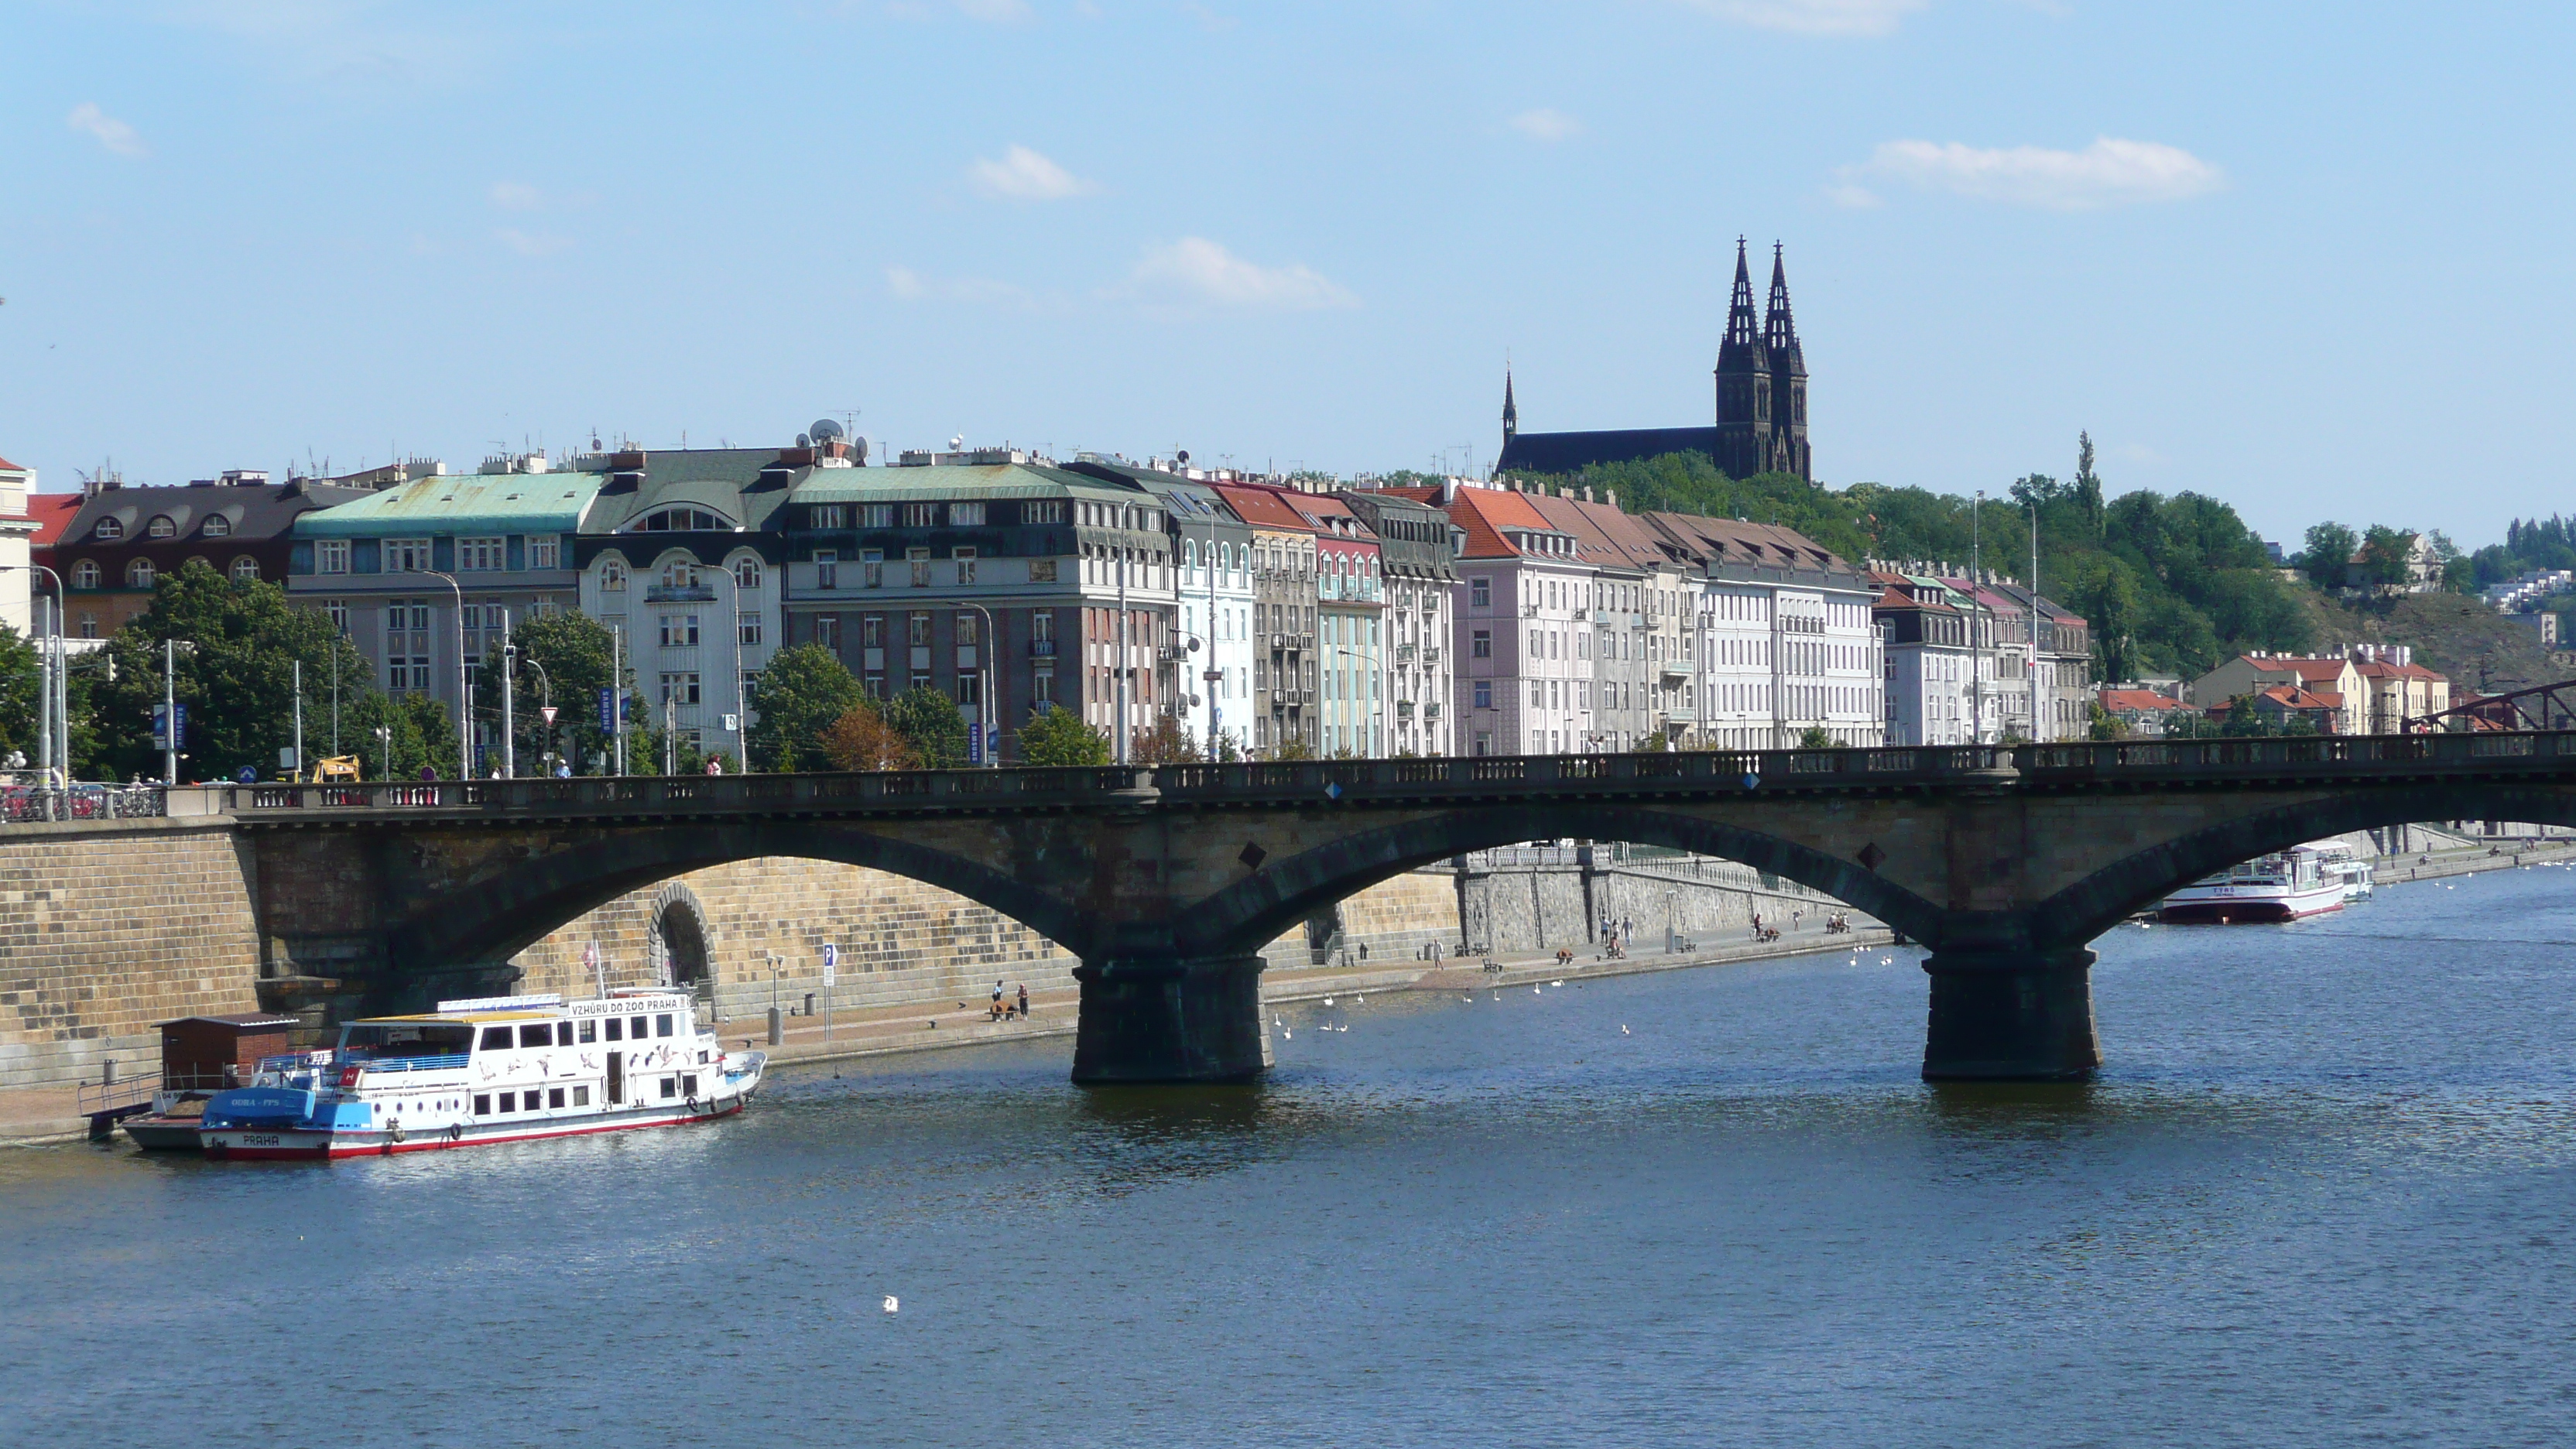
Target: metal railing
(83,802)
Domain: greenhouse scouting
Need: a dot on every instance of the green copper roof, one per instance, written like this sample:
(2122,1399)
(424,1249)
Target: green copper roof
(466,503)
(931,485)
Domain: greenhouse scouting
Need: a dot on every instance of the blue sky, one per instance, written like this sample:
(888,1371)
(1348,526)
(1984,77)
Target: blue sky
(2313,259)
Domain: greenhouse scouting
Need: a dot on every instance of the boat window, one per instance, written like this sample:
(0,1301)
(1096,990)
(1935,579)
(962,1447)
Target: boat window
(537,1034)
(482,1104)
(589,1030)
(614,1023)
(581,1096)
(662,1024)
(509,1101)
(563,1033)
(387,1039)
(496,1038)
(689,1084)
(640,1033)
(670,1088)
(554,1096)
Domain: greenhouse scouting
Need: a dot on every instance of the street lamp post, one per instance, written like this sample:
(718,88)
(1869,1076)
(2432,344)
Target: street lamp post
(546,707)
(985,675)
(509,701)
(741,715)
(464,684)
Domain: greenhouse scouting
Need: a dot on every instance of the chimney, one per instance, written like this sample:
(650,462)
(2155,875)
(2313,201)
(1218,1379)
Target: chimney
(1587,492)
(1610,496)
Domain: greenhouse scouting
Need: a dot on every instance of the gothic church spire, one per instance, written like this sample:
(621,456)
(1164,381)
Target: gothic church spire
(1511,413)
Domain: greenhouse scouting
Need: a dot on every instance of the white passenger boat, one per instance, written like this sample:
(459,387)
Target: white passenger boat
(2289,885)
(502,1069)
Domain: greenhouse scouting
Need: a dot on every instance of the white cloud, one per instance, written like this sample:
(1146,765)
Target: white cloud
(531,244)
(1814,17)
(1024,175)
(1546,124)
(516,196)
(1197,272)
(112,133)
(911,286)
(2110,172)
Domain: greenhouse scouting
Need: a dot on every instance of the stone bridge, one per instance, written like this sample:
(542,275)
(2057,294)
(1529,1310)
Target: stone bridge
(1166,882)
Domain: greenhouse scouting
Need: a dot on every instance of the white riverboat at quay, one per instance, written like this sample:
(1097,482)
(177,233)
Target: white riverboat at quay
(499,1069)
(2287,885)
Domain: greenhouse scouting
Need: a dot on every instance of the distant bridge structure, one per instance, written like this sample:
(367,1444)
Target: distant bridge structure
(1166,882)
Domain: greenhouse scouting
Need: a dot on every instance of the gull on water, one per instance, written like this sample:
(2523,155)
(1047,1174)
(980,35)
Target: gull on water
(1623,1028)
(890,1304)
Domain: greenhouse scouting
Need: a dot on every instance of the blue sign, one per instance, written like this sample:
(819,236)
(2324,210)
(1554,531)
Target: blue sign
(975,743)
(161,728)
(605,695)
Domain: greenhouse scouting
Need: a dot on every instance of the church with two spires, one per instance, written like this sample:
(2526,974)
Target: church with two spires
(1761,403)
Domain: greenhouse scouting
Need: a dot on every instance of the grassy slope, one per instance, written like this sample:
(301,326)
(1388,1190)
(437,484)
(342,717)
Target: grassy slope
(2451,634)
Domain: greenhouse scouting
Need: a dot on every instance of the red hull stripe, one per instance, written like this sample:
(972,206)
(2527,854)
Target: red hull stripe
(438,1142)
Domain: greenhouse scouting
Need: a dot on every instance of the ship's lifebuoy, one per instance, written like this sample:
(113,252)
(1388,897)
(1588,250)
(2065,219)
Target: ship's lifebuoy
(397,1132)
(456,1132)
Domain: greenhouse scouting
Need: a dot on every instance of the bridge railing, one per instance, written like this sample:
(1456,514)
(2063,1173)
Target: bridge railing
(2366,754)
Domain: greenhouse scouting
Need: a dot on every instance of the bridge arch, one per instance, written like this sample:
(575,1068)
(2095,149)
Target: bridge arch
(2112,894)
(501,915)
(1240,919)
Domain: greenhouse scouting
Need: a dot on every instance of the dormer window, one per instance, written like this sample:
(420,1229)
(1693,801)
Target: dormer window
(680,520)
(109,530)
(161,527)
(218,526)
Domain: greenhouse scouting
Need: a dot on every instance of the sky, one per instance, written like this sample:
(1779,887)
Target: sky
(2312,259)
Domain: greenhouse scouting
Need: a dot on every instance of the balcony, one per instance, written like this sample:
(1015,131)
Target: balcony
(1431,710)
(1404,709)
(1430,653)
(1676,668)
(669,594)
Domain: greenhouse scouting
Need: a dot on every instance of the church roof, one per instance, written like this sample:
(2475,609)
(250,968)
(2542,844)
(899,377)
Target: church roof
(1573,452)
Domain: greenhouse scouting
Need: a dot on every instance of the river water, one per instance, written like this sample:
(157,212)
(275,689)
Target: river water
(2321,1195)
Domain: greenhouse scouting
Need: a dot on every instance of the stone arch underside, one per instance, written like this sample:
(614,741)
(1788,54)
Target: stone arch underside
(2111,895)
(496,918)
(1243,917)
(680,934)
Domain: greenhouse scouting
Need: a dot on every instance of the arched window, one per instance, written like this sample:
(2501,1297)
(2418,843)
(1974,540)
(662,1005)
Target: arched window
(138,574)
(680,573)
(85,574)
(108,530)
(245,570)
(746,573)
(612,575)
(161,526)
(218,526)
(1189,553)
(681,520)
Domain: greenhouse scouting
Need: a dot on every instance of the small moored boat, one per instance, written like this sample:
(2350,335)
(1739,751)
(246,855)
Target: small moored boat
(502,1069)
(2288,885)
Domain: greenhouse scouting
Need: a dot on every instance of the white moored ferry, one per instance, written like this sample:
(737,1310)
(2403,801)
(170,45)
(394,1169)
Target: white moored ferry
(2304,880)
(503,1069)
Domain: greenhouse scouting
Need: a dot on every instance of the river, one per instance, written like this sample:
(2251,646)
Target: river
(2324,1193)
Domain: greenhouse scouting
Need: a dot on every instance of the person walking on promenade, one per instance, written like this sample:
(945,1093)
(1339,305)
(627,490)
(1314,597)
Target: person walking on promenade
(1024,1001)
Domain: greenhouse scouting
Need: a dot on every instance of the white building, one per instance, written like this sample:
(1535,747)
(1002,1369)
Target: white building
(17,609)
(1787,642)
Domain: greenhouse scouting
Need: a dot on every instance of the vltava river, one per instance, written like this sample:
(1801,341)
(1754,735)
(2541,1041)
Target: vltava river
(2322,1195)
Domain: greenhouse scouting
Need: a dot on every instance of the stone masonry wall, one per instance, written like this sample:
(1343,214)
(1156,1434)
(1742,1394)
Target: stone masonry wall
(1541,905)
(104,933)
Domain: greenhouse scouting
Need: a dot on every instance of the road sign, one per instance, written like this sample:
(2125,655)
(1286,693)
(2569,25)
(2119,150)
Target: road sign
(975,743)
(733,724)
(549,712)
(831,964)
(605,696)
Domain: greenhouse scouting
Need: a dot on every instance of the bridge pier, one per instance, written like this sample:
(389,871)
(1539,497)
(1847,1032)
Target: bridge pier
(1170,1019)
(2010,1016)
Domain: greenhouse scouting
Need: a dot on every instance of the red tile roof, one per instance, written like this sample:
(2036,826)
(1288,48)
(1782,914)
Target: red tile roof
(1485,512)
(1263,506)
(53,513)
(2138,699)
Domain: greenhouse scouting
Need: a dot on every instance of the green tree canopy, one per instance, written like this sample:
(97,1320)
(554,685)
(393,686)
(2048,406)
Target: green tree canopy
(19,668)
(1059,737)
(2328,554)
(799,697)
(929,720)
(564,657)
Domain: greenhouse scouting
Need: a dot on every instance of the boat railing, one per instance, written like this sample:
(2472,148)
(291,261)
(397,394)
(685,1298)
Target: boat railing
(298,1061)
(125,1094)
(443,1063)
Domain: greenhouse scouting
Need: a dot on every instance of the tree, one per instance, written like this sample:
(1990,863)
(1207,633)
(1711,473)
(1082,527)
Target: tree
(1652,742)
(1815,738)
(862,740)
(1166,742)
(1292,748)
(929,721)
(19,691)
(234,671)
(2088,485)
(2328,555)
(573,654)
(1056,737)
(804,692)
(2385,554)
(2104,724)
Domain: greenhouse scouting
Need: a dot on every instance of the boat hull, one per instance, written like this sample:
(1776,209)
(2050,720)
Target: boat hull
(2249,910)
(154,1132)
(296,1144)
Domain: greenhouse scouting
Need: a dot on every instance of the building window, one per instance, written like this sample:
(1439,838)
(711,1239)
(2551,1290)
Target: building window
(217,526)
(1042,512)
(679,574)
(965,564)
(245,570)
(679,689)
(872,632)
(85,574)
(917,630)
(919,558)
(1042,690)
(679,631)
(1480,593)
(1042,571)
(545,551)
(406,555)
(746,573)
(161,526)
(680,520)
(827,631)
(827,515)
(965,515)
(876,515)
(1480,644)
(337,611)
(970,690)
(138,574)
(331,556)
(1484,694)
(89,626)
(827,569)
(921,515)
(107,530)
(1042,628)
(612,576)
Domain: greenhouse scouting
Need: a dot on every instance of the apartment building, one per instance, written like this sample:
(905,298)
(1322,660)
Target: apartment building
(1525,632)
(1787,642)
(1923,630)
(1285,678)
(1350,619)
(1418,550)
(1216,599)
